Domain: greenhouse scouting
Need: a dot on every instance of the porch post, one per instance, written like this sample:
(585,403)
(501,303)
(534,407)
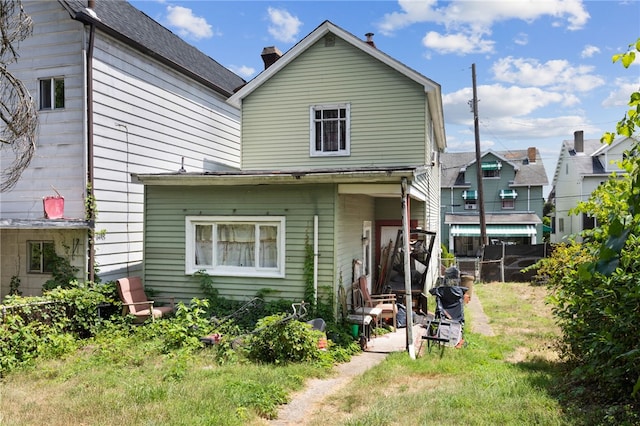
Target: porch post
(407,269)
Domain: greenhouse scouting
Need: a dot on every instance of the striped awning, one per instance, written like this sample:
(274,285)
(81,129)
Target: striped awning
(494,230)
(491,165)
(470,195)
(509,194)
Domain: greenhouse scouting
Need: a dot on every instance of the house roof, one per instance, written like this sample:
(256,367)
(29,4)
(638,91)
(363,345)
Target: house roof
(527,173)
(121,20)
(433,89)
(584,162)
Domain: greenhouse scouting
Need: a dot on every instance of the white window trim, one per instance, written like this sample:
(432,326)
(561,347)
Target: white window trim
(312,131)
(233,271)
(52,95)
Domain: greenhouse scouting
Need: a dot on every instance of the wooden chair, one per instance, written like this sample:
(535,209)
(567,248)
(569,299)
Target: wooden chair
(385,303)
(135,302)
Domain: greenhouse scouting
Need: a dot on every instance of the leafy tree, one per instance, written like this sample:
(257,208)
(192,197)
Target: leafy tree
(596,285)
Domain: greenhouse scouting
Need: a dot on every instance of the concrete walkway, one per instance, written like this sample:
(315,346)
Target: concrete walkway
(306,401)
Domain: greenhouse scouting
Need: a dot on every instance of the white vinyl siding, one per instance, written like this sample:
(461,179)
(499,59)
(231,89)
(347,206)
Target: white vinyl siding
(148,118)
(387,112)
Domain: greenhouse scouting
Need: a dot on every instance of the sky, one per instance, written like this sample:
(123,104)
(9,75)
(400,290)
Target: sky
(543,68)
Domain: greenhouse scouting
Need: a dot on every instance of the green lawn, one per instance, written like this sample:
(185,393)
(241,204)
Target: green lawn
(511,378)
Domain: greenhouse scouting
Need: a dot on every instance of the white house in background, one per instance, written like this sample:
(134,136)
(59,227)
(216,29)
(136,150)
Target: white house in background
(582,166)
(117,94)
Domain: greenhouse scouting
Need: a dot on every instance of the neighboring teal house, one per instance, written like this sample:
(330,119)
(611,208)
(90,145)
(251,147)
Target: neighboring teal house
(337,137)
(512,183)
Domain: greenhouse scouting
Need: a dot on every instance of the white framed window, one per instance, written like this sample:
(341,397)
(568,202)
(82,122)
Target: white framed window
(330,130)
(52,93)
(246,246)
(41,256)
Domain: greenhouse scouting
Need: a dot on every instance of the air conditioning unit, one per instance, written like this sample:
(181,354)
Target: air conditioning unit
(470,206)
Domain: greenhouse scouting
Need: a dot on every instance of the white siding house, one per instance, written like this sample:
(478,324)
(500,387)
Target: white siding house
(136,99)
(583,164)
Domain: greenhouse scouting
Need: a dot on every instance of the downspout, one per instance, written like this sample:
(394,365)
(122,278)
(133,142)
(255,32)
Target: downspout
(315,260)
(91,216)
(407,270)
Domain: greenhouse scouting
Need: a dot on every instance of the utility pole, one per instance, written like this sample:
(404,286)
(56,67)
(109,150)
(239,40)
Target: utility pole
(483,225)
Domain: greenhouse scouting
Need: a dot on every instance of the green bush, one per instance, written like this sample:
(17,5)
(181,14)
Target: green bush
(277,340)
(48,326)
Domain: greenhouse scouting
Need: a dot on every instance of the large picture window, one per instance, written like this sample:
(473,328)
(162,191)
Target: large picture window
(235,246)
(330,133)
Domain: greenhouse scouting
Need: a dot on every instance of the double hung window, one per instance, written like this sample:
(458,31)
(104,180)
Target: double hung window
(236,246)
(330,133)
(52,93)
(41,256)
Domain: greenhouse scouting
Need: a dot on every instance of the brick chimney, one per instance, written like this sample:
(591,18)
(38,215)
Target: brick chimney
(578,141)
(369,40)
(270,55)
(531,154)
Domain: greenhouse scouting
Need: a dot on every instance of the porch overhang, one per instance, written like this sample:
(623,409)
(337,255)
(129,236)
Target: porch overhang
(45,224)
(382,178)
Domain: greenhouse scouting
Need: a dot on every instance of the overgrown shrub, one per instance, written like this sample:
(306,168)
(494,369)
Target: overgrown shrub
(277,340)
(49,325)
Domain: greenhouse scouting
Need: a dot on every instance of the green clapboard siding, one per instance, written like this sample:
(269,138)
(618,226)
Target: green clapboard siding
(168,206)
(388,112)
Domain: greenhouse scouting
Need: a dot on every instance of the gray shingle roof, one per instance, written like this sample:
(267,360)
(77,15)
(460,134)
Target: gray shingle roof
(120,19)
(527,173)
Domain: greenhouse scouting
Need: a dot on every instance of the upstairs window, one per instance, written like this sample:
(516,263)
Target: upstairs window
(491,169)
(330,135)
(42,255)
(52,93)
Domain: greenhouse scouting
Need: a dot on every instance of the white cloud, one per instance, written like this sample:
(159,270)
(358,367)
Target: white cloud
(187,24)
(521,39)
(457,43)
(473,20)
(514,113)
(483,14)
(558,74)
(589,51)
(243,70)
(619,96)
(284,26)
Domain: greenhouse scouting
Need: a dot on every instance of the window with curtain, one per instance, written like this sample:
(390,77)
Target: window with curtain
(330,130)
(242,246)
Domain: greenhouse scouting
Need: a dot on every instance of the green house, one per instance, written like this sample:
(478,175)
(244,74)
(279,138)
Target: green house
(338,142)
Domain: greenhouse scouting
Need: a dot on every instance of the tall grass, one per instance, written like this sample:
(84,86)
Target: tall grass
(511,378)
